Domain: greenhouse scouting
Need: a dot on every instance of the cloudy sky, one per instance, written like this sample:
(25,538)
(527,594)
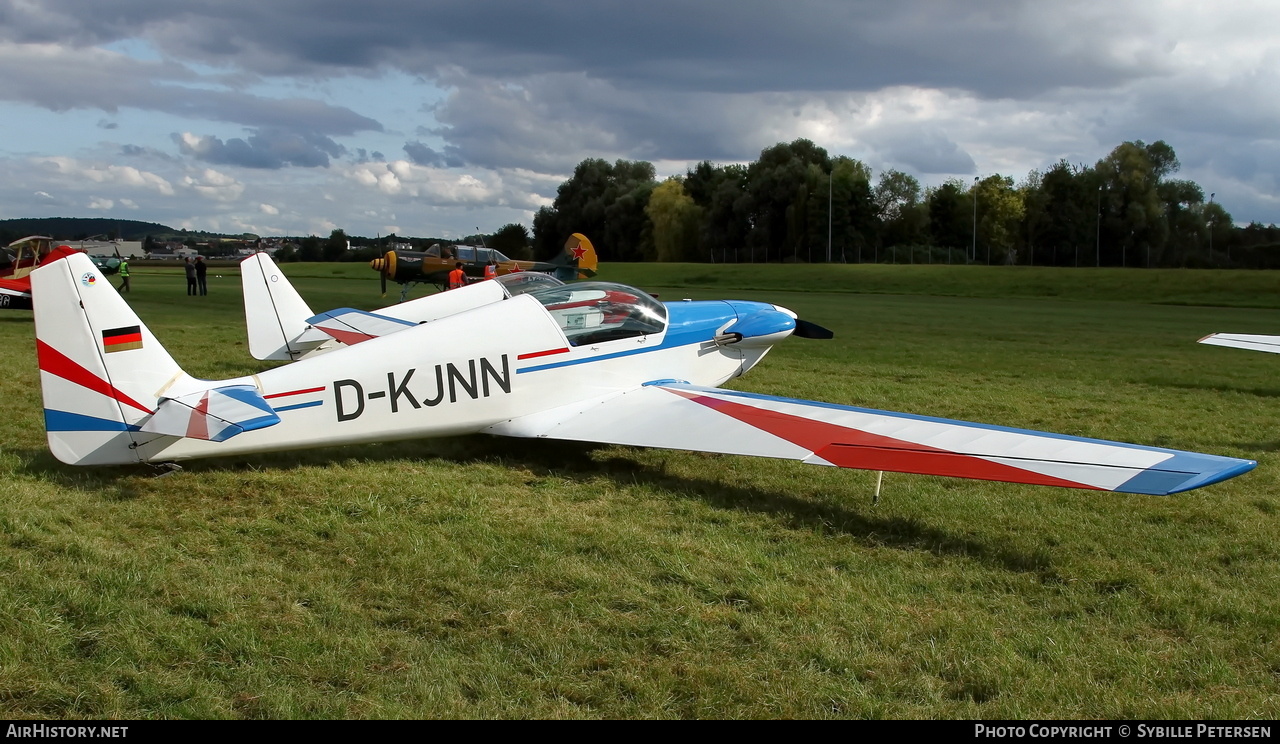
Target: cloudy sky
(438,117)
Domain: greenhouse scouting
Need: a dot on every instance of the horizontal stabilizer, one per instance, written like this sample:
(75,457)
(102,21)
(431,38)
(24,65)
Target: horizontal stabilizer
(351,326)
(215,415)
(679,416)
(1252,342)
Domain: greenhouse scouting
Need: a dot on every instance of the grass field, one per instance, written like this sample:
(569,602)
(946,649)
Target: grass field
(483,577)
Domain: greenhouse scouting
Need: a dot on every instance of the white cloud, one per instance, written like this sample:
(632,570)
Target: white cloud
(268,209)
(113,175)
(214,185)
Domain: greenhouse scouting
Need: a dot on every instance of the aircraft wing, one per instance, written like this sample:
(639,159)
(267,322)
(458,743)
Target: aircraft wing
(215,415)
(1244,341)
(674,415)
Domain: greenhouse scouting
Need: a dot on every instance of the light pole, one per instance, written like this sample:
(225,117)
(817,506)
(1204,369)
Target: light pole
(1208,222)
(1098,245)
(973,255)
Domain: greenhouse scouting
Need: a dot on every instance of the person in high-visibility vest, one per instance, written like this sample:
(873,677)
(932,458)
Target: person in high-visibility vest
(491,269)
(457,277)
(124,275)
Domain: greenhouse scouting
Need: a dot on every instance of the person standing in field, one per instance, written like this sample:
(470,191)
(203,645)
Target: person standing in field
(191,277)
(457,277)
(491,269)
(201,270)
(124,275)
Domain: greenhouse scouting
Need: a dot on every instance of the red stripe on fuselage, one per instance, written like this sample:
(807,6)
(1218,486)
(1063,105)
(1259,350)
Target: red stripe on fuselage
(56,363)
(294,392)
(548,352)
(853,448)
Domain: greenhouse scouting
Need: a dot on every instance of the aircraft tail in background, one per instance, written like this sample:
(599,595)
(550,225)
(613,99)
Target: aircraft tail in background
(275,314)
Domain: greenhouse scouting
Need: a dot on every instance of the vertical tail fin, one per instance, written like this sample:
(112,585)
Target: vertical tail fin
(578,261)
(275,314)
(101,369)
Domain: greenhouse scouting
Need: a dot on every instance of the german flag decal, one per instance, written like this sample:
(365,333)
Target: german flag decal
(122,339)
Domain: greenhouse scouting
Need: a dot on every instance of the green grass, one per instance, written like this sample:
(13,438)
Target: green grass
(483,577)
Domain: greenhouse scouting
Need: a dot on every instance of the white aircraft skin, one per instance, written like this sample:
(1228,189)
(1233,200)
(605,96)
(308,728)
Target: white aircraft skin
(543,364)
(1252,342)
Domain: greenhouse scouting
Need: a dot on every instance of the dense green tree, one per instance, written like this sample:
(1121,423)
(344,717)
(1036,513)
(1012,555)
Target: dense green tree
(778,187)
(335,248)
(903,217)
(1061,213)
(1133,221)
(796,202)
(604,201)
(999,213)
(675,218)
(950,223)
(512,240)
(309,249)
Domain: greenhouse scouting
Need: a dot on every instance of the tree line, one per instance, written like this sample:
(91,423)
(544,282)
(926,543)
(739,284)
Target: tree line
(797,203)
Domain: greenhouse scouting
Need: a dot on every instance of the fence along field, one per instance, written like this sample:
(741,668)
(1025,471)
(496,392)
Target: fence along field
(479,577)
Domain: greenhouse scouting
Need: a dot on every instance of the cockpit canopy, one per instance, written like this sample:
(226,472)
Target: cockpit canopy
(520,282)
(594,312)
(468,253)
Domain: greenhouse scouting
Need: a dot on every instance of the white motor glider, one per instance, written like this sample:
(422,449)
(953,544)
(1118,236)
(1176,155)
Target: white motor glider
(1248,341)
(594,362)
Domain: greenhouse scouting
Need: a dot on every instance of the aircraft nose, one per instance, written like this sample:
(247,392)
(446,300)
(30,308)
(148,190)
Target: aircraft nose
(763,327)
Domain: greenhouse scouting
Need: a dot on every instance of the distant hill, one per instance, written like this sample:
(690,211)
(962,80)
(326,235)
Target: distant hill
(79,228)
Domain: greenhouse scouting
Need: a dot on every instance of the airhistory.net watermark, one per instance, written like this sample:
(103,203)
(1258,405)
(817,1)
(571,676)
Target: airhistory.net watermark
(45,731)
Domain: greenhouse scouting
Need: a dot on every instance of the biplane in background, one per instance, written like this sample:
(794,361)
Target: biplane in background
(18,260)
(562,362)
(1252,342)
(432,266)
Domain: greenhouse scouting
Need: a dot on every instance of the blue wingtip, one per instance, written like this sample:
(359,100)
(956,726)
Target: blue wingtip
(1237,467)
(1185,471)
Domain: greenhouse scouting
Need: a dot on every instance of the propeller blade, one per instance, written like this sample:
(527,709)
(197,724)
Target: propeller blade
(805,329)
(383,276)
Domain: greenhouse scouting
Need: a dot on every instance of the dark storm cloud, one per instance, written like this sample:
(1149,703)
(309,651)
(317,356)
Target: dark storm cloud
(269,148)
(920,150)
(997,48)
(421,154)
(552,121)
(61,80)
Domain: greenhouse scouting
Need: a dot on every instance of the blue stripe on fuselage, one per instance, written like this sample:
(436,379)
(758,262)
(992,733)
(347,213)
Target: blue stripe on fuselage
(687,323)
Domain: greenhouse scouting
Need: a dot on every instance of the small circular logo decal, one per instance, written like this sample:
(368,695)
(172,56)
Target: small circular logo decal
(88,279)
(275,277)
